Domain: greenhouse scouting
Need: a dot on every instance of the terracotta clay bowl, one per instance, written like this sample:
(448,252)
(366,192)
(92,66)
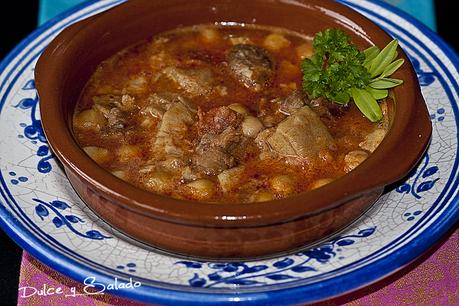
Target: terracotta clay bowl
(232,230)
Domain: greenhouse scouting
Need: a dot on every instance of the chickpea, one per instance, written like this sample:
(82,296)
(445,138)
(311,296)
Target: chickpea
(288,87)
(288,70)
(320,182)
(282,184)
(251,126)
(261,196)
(202,189)
(221,90)
(120,174)
(238,108)
(275,42)
(373,140)
(128,152)
(89,119)
(353,159)
(159,181)
(304,51)
(210,36)
(229,179)
(325,156)
(240,40)
(97,154)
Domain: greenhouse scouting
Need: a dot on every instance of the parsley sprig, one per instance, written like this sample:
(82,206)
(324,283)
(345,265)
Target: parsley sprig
(339,72)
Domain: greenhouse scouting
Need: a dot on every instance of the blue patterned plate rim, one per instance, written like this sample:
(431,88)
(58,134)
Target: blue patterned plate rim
(307,293)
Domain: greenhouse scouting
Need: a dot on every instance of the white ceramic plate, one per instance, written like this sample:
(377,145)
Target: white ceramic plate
(40,210)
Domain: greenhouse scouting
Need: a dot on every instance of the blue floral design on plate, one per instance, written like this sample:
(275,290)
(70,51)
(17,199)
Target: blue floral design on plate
(34,131)
(42,209)
(17,180)
(411,216)
(130,267)
(439,115)
(422,181)
(245,274)
(425,78)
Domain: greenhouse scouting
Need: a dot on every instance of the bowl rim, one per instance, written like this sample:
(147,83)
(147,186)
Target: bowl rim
(410,121)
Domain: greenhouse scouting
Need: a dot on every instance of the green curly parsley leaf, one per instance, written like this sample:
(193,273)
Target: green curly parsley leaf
(339,72)
(335,67)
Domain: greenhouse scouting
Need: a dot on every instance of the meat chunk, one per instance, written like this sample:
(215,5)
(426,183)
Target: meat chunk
(216,153)
(301,135)
(217,120)
(251,65)
(171,136)
(107,100)
(212,154)
(212,160)
(195,82)
(292,103)
(123,102)
(116,118)
(137,84)
(159,103)
(244,149)
(269,112)
(177,119)
(262,138)
(115,108)
(327,110)
(221,143)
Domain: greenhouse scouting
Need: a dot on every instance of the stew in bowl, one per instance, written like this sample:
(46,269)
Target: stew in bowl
(217,113)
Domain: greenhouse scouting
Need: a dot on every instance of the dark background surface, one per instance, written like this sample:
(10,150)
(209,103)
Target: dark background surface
(22,21)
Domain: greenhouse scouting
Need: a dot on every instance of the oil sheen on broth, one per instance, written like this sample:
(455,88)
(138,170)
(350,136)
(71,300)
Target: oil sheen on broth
(215,113)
